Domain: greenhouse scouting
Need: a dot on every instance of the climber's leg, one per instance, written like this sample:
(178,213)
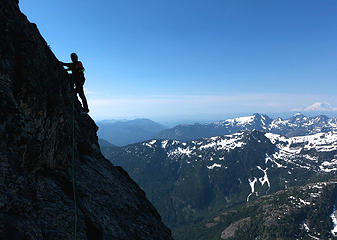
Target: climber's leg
(79,90)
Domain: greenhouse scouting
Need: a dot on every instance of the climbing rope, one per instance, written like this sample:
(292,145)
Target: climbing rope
(73,159)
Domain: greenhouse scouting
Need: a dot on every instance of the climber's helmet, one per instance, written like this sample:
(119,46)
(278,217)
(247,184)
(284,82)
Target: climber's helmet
(74,57)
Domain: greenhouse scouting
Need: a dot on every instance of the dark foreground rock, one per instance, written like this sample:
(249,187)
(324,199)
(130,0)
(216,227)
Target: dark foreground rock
(36,192)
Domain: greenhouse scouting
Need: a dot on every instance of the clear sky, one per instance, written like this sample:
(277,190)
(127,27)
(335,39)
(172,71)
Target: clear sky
(196,58)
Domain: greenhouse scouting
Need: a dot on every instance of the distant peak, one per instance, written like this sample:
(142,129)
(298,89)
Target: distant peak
(298,115)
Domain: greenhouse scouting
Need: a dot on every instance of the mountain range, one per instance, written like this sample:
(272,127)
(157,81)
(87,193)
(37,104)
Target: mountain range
(124,132)
(293,126)
(192,182)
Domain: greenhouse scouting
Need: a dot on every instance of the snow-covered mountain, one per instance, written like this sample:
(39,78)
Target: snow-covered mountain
(255,121)
(183,178)
(297,125)
(299,151)
(192,180)
(300,125)
(314,152)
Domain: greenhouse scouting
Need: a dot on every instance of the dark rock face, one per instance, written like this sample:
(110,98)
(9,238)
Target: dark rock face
(36,193)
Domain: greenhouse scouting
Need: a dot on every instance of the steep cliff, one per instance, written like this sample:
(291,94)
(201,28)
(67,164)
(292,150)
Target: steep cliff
(36,193)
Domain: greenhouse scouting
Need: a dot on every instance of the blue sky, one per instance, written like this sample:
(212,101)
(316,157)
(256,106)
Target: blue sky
(196,59)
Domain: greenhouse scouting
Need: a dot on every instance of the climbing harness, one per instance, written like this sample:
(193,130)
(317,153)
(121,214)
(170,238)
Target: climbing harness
(73,159)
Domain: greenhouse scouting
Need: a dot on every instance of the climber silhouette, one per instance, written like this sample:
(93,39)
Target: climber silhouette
(77,69)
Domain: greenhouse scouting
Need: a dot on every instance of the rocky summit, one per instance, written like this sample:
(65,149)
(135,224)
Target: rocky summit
(37,114)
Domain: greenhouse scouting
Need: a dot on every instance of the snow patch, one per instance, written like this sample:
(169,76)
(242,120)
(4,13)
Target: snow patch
(214,166)
(313,237)
(334,221)
(265,178)
(181,151)
(306,227)
(150,144)
(304,202)
(164,143)
(252,186)
(244,120)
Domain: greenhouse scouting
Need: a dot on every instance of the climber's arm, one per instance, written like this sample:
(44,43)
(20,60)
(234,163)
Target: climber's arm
(69,65)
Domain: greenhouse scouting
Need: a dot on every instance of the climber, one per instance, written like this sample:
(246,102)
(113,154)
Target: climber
(77,70)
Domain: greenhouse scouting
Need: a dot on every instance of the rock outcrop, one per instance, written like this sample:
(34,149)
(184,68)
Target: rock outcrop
(36,193)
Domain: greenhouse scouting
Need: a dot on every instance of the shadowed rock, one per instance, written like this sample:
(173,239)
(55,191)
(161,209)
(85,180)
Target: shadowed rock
(36,193)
